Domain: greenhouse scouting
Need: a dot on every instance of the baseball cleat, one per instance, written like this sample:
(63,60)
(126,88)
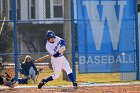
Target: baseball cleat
(75,84)
(40,85)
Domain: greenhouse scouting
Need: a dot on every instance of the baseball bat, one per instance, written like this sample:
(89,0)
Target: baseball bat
(42,58)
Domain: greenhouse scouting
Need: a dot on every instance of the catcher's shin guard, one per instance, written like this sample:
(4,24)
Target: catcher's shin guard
(10,84)
(1,81)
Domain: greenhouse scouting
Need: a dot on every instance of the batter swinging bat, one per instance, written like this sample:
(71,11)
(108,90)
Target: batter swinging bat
(42,58)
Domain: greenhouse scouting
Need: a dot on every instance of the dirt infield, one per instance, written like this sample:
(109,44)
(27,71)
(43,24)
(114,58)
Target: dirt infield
(135,88)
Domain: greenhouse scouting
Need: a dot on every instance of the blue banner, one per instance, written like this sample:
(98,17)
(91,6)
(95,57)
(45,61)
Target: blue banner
(106,35)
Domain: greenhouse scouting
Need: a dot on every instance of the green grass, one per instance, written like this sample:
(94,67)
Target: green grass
(81,78)
(98,77)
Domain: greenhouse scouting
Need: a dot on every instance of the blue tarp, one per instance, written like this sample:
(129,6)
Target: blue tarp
(106,35)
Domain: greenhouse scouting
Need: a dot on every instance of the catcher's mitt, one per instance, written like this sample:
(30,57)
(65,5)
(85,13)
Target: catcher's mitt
(10,73)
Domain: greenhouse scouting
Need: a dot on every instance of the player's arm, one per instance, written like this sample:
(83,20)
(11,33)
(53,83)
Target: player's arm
(53,53)
(63,48)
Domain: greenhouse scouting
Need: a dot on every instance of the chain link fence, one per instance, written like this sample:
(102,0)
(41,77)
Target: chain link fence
(34,19)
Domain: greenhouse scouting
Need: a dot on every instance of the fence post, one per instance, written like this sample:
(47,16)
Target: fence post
(134,75)
(67,34)
(15,41)
(73,40)
(137,40)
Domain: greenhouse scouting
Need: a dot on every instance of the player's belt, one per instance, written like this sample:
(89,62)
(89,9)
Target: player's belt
(60,55)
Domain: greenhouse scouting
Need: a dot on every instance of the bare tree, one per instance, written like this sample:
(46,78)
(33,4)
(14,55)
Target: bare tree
(6,38)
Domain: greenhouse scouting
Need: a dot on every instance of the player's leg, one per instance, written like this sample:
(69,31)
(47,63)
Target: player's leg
(10,84)
(1,81)
(57,70)
(68,70)
(32,74)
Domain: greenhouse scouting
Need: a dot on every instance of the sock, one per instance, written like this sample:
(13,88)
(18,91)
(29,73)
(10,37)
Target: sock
(71,77)
(48,79)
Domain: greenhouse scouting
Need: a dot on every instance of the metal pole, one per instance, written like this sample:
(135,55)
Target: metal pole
(137,40)
(67,35)
(73,40)
(15,41)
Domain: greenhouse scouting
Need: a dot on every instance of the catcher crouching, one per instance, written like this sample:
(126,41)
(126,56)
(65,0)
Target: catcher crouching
(5,77)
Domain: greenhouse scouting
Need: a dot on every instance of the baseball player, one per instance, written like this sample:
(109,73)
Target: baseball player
(5,79)
(56,46)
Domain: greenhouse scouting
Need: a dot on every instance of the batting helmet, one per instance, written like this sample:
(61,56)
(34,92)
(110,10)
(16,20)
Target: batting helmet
(50,34)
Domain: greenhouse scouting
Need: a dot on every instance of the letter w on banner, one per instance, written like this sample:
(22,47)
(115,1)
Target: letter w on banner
(106,35)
